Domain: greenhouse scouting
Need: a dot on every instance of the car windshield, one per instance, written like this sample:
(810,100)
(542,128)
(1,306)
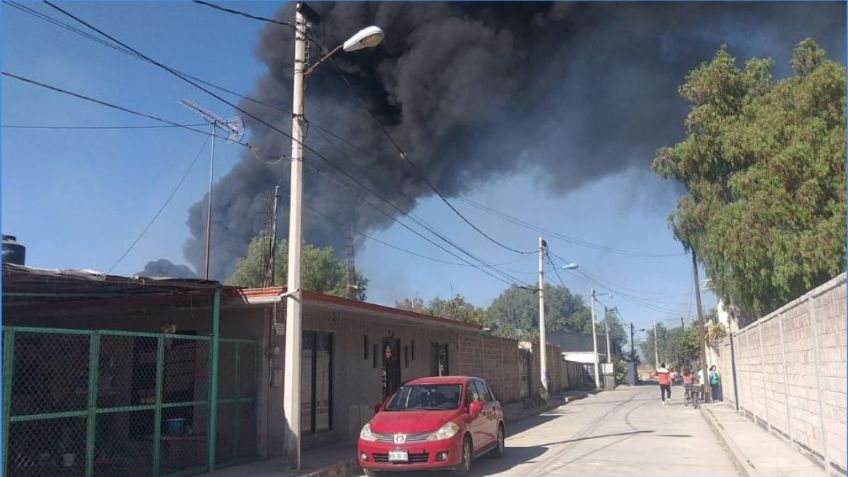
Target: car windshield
(425,397)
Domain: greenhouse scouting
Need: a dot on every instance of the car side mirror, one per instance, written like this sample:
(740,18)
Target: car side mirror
(378,408)
(475,408)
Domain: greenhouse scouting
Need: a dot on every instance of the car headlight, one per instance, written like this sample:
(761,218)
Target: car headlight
(445,432)
(366,435)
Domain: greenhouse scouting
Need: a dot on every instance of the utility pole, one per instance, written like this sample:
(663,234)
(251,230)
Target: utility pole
(656,348)
(633,352)
(702,331)
(209,206)
(606,332)
(595,343)
(543,349)
(234,128)
(294,330)
(351,265)
(272,247)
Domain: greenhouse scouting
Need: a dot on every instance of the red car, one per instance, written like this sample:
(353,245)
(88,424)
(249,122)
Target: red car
(433,423)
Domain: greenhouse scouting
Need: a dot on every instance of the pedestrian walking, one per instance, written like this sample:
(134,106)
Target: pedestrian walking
(664,378)
(715,379)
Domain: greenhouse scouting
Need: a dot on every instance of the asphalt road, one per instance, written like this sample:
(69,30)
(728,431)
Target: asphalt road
(626,432)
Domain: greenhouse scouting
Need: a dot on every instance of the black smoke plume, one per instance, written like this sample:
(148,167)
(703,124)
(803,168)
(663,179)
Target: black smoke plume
(569,91)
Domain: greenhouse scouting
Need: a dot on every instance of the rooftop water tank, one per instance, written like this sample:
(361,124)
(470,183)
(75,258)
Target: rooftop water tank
(13,252)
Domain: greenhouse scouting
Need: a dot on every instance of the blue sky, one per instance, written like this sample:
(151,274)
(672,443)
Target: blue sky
(78,198)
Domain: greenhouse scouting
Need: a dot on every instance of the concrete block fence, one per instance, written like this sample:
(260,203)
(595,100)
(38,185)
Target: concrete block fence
(787,372)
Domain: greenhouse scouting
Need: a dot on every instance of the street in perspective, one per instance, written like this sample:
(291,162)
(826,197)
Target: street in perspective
(343,239)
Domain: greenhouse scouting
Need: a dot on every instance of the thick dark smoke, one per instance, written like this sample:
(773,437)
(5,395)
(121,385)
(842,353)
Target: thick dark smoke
(163,268)
(473,92)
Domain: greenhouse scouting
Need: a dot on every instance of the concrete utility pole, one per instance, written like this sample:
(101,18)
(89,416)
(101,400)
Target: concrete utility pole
(595,343)
(294,338)
(656,348)
(633,351)
(543,348)
(703,331)
(606,332)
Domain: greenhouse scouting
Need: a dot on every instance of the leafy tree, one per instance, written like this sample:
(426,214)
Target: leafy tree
(322,272)
(515,312)
(415,304)
(457,308)
(763,163)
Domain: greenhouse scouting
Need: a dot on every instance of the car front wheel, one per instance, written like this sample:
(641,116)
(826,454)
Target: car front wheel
(464,468)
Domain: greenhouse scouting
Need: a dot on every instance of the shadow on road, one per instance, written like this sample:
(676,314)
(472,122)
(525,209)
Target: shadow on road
(596,437)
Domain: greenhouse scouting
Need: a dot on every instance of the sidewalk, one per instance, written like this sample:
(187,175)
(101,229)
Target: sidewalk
(340,460)
(757,453)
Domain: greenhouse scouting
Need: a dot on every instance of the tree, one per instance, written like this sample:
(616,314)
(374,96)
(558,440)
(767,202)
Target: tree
(515,312)
(457,308)
(763,163)
(322,272)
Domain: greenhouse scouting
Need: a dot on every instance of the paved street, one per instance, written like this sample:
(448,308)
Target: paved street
(626,432)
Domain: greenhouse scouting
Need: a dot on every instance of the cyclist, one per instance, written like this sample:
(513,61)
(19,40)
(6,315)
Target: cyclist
(687,385)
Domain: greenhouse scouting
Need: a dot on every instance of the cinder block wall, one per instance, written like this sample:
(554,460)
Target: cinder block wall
(791,372)
(493,359)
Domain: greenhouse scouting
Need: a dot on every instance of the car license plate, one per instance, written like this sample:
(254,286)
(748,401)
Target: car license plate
(398,456)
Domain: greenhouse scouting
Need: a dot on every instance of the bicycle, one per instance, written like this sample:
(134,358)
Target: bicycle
(696,392)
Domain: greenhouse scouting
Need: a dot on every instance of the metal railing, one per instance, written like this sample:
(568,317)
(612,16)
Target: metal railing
(107,402)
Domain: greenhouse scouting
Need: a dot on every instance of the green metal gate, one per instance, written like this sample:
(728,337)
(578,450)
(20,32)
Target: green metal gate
(119,403)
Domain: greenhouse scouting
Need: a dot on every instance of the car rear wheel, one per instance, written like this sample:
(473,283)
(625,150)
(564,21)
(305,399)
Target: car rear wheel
(464,468)
(500,447)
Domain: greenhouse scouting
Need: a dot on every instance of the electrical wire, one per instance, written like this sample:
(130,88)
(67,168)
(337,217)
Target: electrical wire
(383,129)
(262,121)
(325,130)
(107,104)
(161,208)
(158,126)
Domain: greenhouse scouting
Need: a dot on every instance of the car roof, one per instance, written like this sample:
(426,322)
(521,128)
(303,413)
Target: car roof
(440,380)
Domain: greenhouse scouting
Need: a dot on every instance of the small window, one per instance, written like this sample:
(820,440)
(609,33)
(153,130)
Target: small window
(412,345)
(365,346)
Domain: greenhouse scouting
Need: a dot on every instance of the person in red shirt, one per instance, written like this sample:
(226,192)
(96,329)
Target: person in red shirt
(665,383)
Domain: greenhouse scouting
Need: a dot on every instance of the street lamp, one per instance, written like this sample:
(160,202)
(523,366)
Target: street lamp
(543,343)
(366,38)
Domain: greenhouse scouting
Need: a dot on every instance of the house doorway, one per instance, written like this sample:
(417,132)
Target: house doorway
(391,366)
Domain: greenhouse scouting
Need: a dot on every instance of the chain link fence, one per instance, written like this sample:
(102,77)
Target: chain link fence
(117,403)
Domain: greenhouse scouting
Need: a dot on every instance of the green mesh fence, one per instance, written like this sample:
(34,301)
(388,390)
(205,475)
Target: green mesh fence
(115,403)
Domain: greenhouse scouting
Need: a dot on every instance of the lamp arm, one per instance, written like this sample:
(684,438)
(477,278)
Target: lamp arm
(323,59)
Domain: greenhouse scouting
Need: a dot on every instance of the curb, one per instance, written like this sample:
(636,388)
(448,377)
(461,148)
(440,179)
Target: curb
(342,468)
(745,468)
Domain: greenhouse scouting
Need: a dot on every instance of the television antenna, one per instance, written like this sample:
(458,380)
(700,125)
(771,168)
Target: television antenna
(234,128)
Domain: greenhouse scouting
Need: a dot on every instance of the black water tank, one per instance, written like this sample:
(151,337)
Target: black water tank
(13,252)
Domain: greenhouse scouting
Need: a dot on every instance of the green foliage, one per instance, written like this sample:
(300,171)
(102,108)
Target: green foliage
(677,346)
(457,308)
(322,272)
(764,167)
(515,312)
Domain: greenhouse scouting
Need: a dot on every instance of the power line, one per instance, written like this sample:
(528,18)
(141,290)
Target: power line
(382,128)
(416,169)
(137,55)
(161,208)
(107,104)
(244,14)
(158,126)
(262,121)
